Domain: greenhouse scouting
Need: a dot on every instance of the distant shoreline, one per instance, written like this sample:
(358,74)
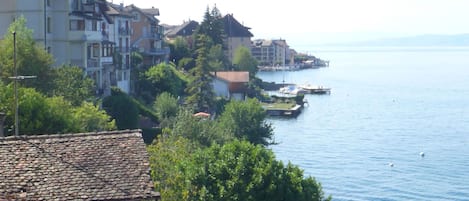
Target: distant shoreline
(389,48)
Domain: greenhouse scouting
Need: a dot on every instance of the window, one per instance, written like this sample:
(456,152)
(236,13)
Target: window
(77,25)
(94,25)
(48,3)
(127,61)
(49,24)
(136,16)
(95,50)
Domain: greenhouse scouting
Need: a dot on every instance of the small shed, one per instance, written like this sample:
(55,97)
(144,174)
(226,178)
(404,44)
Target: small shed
(86,166)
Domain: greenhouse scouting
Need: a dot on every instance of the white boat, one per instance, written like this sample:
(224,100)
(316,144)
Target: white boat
(292,90)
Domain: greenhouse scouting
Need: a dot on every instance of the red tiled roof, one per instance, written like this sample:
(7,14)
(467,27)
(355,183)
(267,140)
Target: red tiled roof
(87,166)
(233,76)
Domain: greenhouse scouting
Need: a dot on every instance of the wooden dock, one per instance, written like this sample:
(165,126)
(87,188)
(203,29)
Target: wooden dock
(311,89)
(293,112)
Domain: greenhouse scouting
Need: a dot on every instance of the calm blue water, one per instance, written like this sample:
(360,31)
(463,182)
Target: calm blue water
(385,107)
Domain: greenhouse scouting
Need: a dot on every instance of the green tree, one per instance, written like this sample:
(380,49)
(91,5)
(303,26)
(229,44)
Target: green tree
(200,91)
(70,82)
(122,108)
(31,59)
(39,114)
(246,120)
(212,26)
(200,131)
(169,160)
(166,107)
(217,59)
(179,50)
(187,63)
(240,170)
(244,61)
(165,78)
(89,117)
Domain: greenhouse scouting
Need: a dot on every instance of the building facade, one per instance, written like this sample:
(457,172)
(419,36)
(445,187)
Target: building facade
(95,35)
(236,35)
(271,52)
(148,35)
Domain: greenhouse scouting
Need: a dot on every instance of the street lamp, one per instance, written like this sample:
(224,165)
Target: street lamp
(16,78)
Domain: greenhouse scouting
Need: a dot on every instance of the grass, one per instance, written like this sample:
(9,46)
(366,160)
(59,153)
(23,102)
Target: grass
(278,106)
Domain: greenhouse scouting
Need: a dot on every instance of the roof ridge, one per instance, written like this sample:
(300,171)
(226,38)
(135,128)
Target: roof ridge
(69,135)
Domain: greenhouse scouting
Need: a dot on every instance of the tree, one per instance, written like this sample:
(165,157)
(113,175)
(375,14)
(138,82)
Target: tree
(89,117)
(165,78)
(166,107)
(31,59)
(244,61)
(39,114)
(212,26)
(122,108)
(217,59)
(242,171)
(70,82)
(200,131)
(200,90)
(179,50)
(169,160)
(246,120)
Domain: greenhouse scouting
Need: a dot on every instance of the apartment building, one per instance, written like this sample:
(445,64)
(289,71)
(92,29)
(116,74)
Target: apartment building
(75,31)
(148,35)
(95,35)
(120,33)
(271,52)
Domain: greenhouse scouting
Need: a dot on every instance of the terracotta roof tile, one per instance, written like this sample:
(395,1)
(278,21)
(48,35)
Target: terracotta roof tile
(87,166)
(233,76)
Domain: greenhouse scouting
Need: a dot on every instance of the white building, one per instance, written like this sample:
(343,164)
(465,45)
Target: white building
(271,52)
(79,32)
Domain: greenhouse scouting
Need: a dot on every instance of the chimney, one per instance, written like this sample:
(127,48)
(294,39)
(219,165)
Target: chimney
(2,119)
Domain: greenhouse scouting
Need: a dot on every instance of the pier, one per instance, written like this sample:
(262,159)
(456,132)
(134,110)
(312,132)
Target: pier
(278,112)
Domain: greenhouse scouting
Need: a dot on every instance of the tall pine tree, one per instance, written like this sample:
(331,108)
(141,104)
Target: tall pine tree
(201,95)
(213,26)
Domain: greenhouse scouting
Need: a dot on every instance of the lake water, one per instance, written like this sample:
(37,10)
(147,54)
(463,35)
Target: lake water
(386,106)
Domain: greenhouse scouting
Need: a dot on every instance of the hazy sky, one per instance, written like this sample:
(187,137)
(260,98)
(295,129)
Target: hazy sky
(326,21)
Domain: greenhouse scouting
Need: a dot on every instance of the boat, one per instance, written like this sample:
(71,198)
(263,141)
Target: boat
(292,90)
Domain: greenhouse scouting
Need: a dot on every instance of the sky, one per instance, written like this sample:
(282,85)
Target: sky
(312,22)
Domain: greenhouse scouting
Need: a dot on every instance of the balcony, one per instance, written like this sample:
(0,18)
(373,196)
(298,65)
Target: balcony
(85,35)
(106,61)
(92,63)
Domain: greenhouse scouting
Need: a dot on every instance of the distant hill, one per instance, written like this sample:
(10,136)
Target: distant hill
(417,41)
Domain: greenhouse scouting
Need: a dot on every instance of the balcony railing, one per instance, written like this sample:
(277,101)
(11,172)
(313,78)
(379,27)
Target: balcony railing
(106,60)
(93,63)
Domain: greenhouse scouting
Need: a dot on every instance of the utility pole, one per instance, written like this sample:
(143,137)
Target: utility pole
(16,78)
(16,87)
